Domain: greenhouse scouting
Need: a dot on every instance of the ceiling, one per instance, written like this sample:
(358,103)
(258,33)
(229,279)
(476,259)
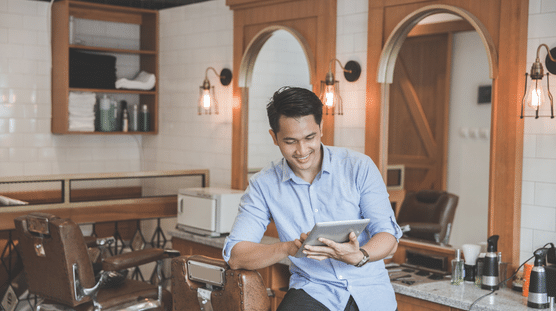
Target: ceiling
(145,4)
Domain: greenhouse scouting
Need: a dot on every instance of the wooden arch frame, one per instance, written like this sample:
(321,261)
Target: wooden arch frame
(504,23)
(312,22)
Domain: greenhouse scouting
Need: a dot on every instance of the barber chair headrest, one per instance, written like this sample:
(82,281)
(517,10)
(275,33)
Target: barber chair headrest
(206,273)
(38,223)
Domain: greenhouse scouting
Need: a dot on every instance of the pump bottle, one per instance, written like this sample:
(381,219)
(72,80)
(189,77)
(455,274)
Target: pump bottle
(490,277)
(538,295)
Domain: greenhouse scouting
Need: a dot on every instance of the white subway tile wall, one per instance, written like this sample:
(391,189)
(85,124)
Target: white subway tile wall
(26,145)
(351,44)
(193,38)
(538,210)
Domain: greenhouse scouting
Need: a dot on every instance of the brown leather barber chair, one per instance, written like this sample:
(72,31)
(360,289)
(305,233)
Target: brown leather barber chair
(201,283)
(58,269)
(429,214)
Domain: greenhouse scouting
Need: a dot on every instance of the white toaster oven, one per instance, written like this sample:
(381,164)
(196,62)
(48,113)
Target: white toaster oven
(207,211)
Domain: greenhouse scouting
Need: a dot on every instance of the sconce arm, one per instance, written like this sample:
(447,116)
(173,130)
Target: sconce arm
(338,61)
(225,75)
(547,49)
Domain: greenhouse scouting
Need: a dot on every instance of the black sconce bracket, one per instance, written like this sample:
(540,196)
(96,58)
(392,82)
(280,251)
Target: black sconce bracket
(225,76)
(352,71)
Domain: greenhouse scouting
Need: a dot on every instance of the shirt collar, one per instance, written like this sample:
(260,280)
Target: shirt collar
(287,172)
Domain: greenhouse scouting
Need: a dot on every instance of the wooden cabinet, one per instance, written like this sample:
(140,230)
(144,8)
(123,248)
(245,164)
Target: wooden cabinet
(406,303)
(147,54)
(275,277)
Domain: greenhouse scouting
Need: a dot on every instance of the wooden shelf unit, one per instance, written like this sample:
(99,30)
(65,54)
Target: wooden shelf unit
(148,57)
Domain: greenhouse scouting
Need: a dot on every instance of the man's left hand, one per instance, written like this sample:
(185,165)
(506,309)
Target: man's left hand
(347,252)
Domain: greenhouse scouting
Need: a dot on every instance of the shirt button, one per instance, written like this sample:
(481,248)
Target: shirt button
(316,210)
(349,287)
(340,277)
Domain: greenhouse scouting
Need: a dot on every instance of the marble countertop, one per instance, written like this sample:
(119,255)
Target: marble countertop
(440,292)
(462,296)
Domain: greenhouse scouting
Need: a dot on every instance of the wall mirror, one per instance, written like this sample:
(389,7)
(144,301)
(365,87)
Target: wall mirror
(389,25)
(280,62)
(436,129)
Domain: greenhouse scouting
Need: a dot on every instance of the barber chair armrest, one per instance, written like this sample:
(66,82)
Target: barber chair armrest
(423,227)
(92,241)
(136,258)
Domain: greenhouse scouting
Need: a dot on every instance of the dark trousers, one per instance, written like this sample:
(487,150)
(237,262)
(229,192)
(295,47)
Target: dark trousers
(299,300)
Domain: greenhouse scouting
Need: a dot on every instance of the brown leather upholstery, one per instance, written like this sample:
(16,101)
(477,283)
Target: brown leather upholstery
(429,214)
(50,274)
(243,290)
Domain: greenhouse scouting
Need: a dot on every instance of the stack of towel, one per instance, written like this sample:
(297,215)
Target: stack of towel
(81,107)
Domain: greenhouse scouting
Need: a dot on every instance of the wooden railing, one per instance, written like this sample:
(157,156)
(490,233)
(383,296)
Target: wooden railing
(91,198)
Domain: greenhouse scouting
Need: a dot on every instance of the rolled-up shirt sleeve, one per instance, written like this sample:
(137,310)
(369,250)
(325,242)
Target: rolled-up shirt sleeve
(251,221)
(375,203)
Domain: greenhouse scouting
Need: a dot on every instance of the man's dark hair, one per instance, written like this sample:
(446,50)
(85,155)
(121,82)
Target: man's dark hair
(293,102)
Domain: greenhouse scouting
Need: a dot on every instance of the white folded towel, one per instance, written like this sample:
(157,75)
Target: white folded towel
(143,81)
(81,108)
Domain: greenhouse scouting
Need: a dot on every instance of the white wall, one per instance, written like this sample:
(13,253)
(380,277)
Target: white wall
(193,38)
(351,44)
(27,146)
(538,200)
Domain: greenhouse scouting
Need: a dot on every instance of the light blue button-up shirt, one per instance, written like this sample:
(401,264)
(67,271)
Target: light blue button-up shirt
(349,186)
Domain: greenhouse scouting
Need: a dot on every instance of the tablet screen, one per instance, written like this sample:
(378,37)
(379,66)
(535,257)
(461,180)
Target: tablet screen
(337,231)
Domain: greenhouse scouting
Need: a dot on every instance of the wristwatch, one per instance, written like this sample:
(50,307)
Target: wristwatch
(365,258)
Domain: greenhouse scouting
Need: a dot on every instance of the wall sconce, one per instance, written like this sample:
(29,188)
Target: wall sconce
(207,98)
(537,93)
(330,88)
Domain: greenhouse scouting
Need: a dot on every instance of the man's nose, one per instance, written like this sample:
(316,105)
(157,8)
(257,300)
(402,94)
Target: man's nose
(301,148)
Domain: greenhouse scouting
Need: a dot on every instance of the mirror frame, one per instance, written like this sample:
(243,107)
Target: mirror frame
(312,22)
(500,33)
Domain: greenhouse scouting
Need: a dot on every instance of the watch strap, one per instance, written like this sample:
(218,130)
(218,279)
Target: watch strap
(365,258)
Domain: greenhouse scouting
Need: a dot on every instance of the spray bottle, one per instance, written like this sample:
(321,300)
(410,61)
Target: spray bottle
(538,295)
(490,277)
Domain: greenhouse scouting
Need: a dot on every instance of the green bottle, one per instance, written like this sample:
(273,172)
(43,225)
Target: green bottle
(145,119)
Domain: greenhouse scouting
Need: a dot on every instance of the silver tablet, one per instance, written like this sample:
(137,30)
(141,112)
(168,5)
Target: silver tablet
(337,231)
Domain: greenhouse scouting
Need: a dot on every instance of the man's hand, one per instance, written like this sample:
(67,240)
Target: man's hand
(297,244)
(347,252)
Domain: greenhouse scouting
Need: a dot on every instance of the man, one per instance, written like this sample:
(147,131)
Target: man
(316,183)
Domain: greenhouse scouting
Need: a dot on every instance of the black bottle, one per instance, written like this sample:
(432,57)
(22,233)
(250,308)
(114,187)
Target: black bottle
(538,295)
(490,277)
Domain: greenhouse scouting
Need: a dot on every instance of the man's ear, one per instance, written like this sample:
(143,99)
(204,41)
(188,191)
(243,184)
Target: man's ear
(320,127)
(273,136)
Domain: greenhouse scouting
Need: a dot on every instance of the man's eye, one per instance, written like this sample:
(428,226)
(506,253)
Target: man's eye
(289,142)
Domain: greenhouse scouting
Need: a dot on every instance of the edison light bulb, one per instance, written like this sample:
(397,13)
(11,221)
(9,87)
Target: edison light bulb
(206,99)
(536,96)
(329,96)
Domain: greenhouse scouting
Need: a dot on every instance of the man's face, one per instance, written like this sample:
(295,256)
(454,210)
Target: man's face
(299,141)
